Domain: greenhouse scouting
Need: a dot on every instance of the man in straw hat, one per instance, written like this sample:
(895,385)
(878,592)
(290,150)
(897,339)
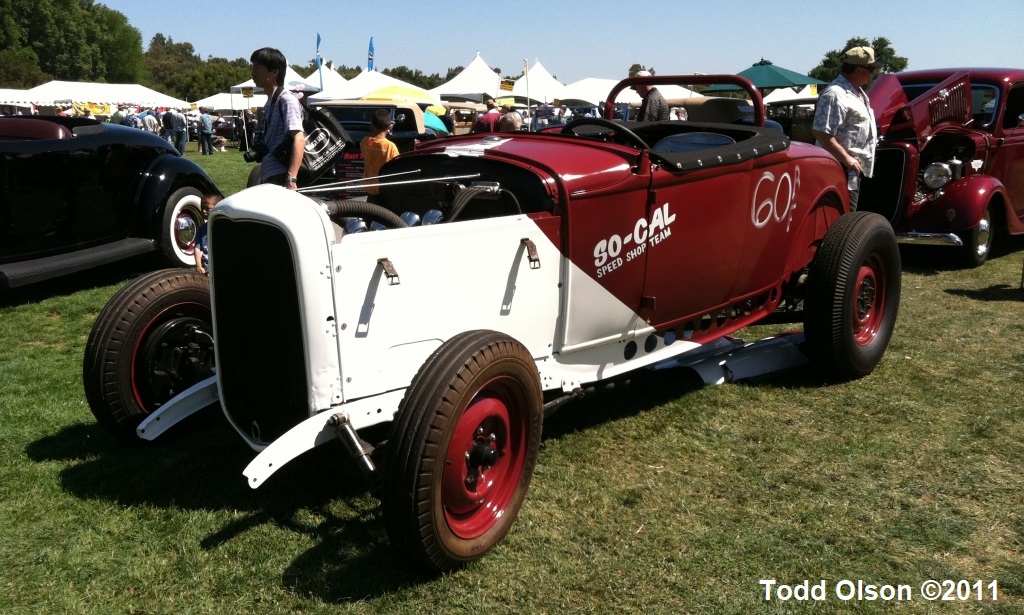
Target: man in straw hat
(843,122)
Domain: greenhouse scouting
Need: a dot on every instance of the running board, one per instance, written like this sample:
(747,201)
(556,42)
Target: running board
(13,275)
(730,359)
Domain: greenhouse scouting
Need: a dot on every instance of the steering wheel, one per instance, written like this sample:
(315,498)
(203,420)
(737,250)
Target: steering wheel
(622,134)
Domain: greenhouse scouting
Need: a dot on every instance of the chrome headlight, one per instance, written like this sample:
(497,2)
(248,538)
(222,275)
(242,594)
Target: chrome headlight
(937,175)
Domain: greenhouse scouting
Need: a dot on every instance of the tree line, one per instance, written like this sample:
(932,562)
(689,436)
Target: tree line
(78,40)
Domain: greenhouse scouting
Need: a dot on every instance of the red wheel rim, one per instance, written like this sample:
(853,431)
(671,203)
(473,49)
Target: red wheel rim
(869,301)
(485,458)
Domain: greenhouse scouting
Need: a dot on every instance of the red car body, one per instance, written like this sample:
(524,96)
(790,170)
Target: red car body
(961,130)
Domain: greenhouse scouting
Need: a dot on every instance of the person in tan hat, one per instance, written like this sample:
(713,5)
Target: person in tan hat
(843,122)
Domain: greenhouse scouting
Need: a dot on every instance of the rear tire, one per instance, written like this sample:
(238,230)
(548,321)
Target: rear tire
(462,450)
(853,296)
(153,340)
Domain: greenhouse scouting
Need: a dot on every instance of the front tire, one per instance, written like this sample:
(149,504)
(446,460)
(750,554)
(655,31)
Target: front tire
(153,340)
(853,296)
(182,218)
(978,242)
(462,450)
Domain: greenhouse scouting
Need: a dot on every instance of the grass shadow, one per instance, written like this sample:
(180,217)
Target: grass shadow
(198,466)
(998,292)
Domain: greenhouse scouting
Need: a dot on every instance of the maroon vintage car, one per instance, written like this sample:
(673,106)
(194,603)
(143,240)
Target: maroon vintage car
(950,162)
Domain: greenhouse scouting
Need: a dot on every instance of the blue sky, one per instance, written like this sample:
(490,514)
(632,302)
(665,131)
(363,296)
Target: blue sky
(590,38)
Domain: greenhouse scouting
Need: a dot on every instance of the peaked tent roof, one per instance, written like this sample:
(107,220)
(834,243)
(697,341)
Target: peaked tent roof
(359,86)
(292,80)
(56,92)
(538,84)
(332,79)
(475,79)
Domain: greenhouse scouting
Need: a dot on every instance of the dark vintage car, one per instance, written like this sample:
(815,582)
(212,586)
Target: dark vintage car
(512,273)
(77,193)
(228,126)
(795,116)
(949,168)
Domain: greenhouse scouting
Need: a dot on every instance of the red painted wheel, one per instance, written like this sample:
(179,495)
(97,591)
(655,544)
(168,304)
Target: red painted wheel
(853,296)
(485,458)
(153,340)
(869,311)
(462,450)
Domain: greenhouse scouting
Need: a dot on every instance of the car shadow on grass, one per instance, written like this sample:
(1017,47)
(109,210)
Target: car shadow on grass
(106,275)
(998,292)
(198,466)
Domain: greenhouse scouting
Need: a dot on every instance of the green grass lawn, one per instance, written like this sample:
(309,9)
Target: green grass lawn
(662,497)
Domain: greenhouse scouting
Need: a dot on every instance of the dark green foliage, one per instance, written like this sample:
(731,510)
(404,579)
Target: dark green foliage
(828,68)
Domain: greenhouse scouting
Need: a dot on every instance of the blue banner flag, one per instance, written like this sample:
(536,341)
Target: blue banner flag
(369,56)
(319,62)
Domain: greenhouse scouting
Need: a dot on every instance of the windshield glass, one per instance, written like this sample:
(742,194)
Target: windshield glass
(984,100)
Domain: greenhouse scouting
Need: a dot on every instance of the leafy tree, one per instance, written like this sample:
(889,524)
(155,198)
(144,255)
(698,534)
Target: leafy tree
(120,47)
(19,69)
(72,40)
(636,68)
(415,77)
(169,64)
(828,68)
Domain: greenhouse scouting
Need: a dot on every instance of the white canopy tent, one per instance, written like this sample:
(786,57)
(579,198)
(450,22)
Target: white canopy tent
(332,79)
(231,102)
(594,91)
(538,85)
(359,86)
(476,79)
(67,92)
(292,81)
(14,98)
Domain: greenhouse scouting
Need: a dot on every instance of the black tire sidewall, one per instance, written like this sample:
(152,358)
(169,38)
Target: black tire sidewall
(422,433)
(833,294)
(115,339)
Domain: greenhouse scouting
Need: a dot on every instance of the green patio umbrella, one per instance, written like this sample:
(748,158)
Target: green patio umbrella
(765,76)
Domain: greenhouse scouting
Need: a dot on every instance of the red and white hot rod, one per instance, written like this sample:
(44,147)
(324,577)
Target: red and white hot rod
(499,275)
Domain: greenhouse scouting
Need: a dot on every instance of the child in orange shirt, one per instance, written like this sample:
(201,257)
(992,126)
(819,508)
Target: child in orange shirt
(377,149)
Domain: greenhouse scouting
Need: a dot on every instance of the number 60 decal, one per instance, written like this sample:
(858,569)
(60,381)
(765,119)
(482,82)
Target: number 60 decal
(778,204)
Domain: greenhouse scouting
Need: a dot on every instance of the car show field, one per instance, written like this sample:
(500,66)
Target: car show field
(662,496)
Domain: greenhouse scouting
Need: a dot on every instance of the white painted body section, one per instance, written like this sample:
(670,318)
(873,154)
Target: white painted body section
(367,334)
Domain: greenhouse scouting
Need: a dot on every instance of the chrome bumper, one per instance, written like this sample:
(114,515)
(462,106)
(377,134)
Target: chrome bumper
(930,239)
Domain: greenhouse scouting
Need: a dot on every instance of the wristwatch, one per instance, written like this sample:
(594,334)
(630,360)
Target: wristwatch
(293,180)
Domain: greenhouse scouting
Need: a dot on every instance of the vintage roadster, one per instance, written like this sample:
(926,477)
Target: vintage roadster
(501,276)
